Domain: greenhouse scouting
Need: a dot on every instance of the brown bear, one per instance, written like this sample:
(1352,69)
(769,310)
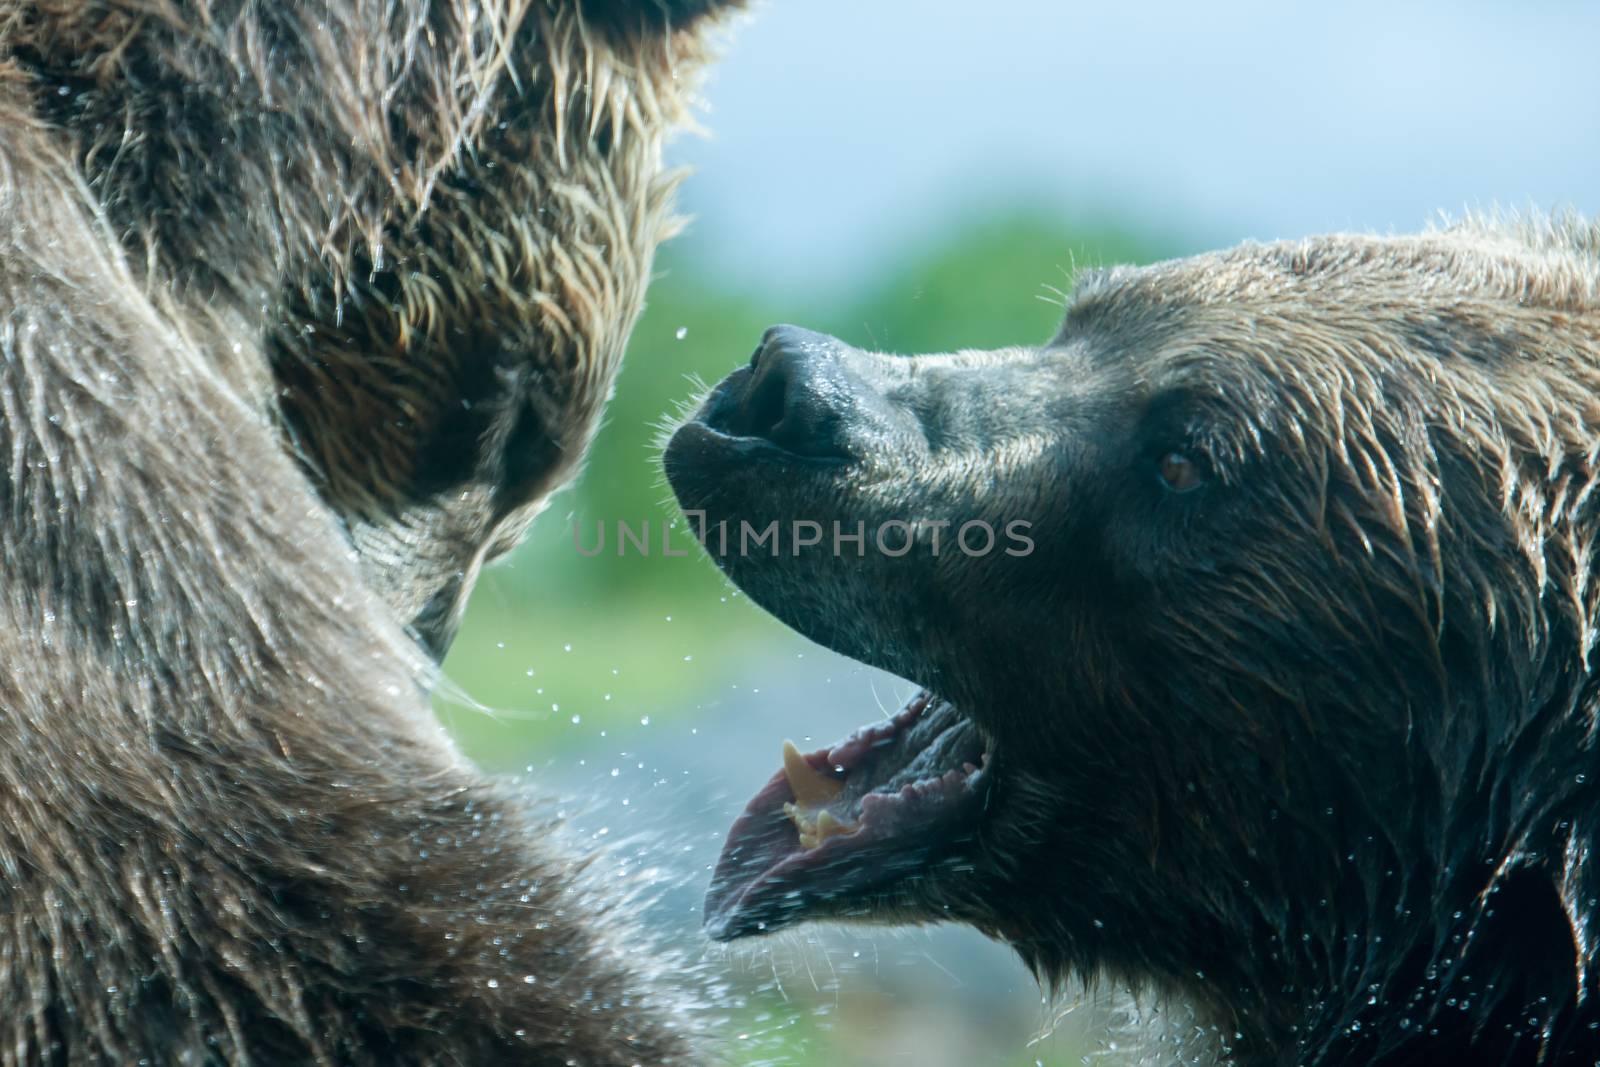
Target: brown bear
(1257,611)
(304,310)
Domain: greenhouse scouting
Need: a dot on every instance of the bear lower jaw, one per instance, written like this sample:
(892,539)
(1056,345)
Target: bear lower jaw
(836,828)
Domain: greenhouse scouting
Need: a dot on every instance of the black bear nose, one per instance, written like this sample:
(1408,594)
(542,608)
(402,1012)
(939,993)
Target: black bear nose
(800,393)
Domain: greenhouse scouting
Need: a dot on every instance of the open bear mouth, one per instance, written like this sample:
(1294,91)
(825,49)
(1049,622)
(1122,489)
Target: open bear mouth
(838,826)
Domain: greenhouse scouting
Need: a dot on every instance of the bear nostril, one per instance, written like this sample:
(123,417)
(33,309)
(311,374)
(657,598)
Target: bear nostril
(763,407)
(797,394)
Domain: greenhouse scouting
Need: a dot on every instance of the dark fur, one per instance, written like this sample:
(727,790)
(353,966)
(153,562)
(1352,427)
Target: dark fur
(1311,747)
(304,310)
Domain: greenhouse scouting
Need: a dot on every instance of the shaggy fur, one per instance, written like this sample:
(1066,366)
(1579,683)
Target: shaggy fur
(304,310)
(1310,743)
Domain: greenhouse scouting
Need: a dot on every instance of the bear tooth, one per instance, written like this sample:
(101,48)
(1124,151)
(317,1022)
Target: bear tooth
(810,786)
(815,827)
(805,825)
(828,826)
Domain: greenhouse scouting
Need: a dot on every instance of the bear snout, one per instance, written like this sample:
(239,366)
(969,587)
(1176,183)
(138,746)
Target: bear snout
(809,395)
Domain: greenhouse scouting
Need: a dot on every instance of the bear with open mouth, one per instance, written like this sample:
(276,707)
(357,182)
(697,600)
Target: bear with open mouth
(1282,704)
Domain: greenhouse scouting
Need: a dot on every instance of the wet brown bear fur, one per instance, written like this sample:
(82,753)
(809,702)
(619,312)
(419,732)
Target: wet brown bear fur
(304,310)
(1290,713)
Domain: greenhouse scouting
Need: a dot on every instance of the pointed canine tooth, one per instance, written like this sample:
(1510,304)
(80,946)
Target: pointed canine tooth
(810,786)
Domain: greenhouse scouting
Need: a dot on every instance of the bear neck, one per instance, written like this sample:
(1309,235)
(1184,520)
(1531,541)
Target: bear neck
(1385,932)
(1413,902)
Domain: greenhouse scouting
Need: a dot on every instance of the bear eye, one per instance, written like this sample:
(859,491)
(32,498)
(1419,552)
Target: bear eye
(1179,472)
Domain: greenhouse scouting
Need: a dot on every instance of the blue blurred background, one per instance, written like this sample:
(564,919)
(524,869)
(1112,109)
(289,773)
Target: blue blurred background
(918,175)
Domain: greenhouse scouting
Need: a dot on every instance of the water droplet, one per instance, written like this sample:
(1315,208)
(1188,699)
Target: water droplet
(683,331)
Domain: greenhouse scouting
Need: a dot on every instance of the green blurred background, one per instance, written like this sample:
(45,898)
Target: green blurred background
(919,175)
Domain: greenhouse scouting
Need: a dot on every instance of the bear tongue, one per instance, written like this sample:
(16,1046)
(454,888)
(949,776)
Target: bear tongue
(836,827)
